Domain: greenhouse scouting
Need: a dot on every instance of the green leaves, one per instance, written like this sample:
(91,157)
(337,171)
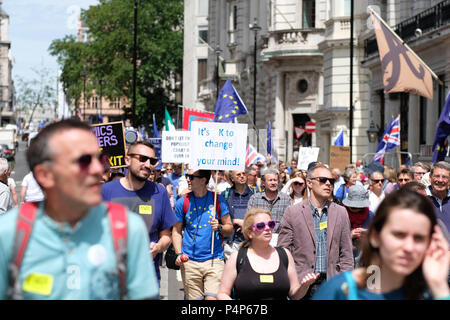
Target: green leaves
(109,54)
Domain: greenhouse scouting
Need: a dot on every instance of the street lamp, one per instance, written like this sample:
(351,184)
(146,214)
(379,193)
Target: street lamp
(133,107)
(372,132)
(84,92)
(217,51)
(255,28)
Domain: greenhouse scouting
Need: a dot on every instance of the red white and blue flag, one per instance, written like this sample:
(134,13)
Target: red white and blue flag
(390,140)
(252,156)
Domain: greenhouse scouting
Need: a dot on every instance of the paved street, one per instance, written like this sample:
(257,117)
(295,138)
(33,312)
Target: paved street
(20,166)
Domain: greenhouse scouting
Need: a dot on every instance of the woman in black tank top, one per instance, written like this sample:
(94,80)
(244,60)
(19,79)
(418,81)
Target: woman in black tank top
(258,270)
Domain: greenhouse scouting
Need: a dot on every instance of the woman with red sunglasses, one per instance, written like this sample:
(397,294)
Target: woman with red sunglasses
(258,270)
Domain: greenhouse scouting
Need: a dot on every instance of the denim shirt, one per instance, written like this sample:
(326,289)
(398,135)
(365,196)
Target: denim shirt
(320,228)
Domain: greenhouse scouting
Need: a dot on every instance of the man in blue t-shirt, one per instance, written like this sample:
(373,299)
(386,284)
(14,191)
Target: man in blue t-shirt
(202,273)
(174,178)
(150,200)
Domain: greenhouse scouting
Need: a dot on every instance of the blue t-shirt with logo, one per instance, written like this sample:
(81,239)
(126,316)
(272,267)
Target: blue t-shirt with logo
(152,204)
(197,238)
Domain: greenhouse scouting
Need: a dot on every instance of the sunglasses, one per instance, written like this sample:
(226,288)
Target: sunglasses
(404,180)
(261,226)
(377,180)
(191,176)
(85,161)
(325,179)
(298,183)
(144,159)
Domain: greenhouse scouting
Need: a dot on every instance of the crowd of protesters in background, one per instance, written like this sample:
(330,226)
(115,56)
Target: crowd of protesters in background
(270,231)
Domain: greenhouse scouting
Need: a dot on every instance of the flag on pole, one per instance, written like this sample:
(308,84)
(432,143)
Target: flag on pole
(155,128)
(403,70)
(229,105)
(390,140)
(269,139)
(340,139)
(252,156)
(442,132)
(168,121)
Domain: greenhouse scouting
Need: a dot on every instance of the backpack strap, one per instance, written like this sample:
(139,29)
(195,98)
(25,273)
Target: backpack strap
(186,202)
(25,222)
(118,219)
(283,256)
(242,253)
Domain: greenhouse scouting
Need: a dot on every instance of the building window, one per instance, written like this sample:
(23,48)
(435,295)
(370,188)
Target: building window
(302,86)
(202,71)
(202,8)
(202,34)
(95,102)
(115,103)
(309,14)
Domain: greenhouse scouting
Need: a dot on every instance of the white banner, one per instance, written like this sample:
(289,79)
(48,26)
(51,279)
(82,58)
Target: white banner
(218,146)
(175,146)
(306,155)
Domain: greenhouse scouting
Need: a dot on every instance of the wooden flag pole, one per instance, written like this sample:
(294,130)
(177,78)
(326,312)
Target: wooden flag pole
(214,211)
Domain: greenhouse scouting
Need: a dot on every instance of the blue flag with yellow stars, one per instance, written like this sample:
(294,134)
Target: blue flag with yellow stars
(229,105)
(442,132)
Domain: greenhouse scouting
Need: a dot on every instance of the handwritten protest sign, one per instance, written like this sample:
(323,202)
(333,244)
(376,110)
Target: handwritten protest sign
(306,155)
(175,146)
(218,146)
(339,157)
(111,139)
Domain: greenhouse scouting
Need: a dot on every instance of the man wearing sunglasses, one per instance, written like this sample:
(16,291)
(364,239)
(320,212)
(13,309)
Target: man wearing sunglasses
(403,177)
(192,236)
(70,252)
(376,193)
(317,231)
(149,199)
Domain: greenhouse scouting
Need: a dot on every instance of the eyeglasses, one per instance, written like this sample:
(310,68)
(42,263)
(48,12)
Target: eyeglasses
(404,180)
(325,179)
(191,176)
(296,183)
(261,226)
(85,160)
(377,180)
(144,159)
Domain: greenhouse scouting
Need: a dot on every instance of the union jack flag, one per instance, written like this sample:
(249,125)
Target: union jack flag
(390,140)
(252,156)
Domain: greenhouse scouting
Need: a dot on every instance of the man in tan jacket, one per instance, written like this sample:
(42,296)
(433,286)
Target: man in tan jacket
(317,231)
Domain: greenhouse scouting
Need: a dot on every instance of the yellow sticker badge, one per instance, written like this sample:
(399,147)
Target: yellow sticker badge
(323,225)
(266,278)
(143,209)
(38,283)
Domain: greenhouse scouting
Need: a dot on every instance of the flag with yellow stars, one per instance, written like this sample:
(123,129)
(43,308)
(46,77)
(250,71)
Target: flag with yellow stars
(229,105)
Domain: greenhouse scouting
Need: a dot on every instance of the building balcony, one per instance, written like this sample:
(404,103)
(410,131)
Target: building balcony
(429,20)
(292,42)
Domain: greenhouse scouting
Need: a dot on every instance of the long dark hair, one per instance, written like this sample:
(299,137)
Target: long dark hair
(414,284)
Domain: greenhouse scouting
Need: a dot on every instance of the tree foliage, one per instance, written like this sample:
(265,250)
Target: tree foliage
(108,54)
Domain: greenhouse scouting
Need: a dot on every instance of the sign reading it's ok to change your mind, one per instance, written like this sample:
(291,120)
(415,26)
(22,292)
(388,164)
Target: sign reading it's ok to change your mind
(218,146)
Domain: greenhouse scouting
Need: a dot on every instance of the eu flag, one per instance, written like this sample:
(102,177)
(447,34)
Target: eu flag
(229,105)
(442,132)
(269,139)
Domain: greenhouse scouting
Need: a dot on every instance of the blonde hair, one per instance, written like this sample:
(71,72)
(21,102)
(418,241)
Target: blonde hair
(249,221)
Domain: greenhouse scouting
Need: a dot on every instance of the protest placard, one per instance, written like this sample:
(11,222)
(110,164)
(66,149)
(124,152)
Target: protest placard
(218,146)
(157,144)
(306,155)
(339,157)
(111,139)
(175,146)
